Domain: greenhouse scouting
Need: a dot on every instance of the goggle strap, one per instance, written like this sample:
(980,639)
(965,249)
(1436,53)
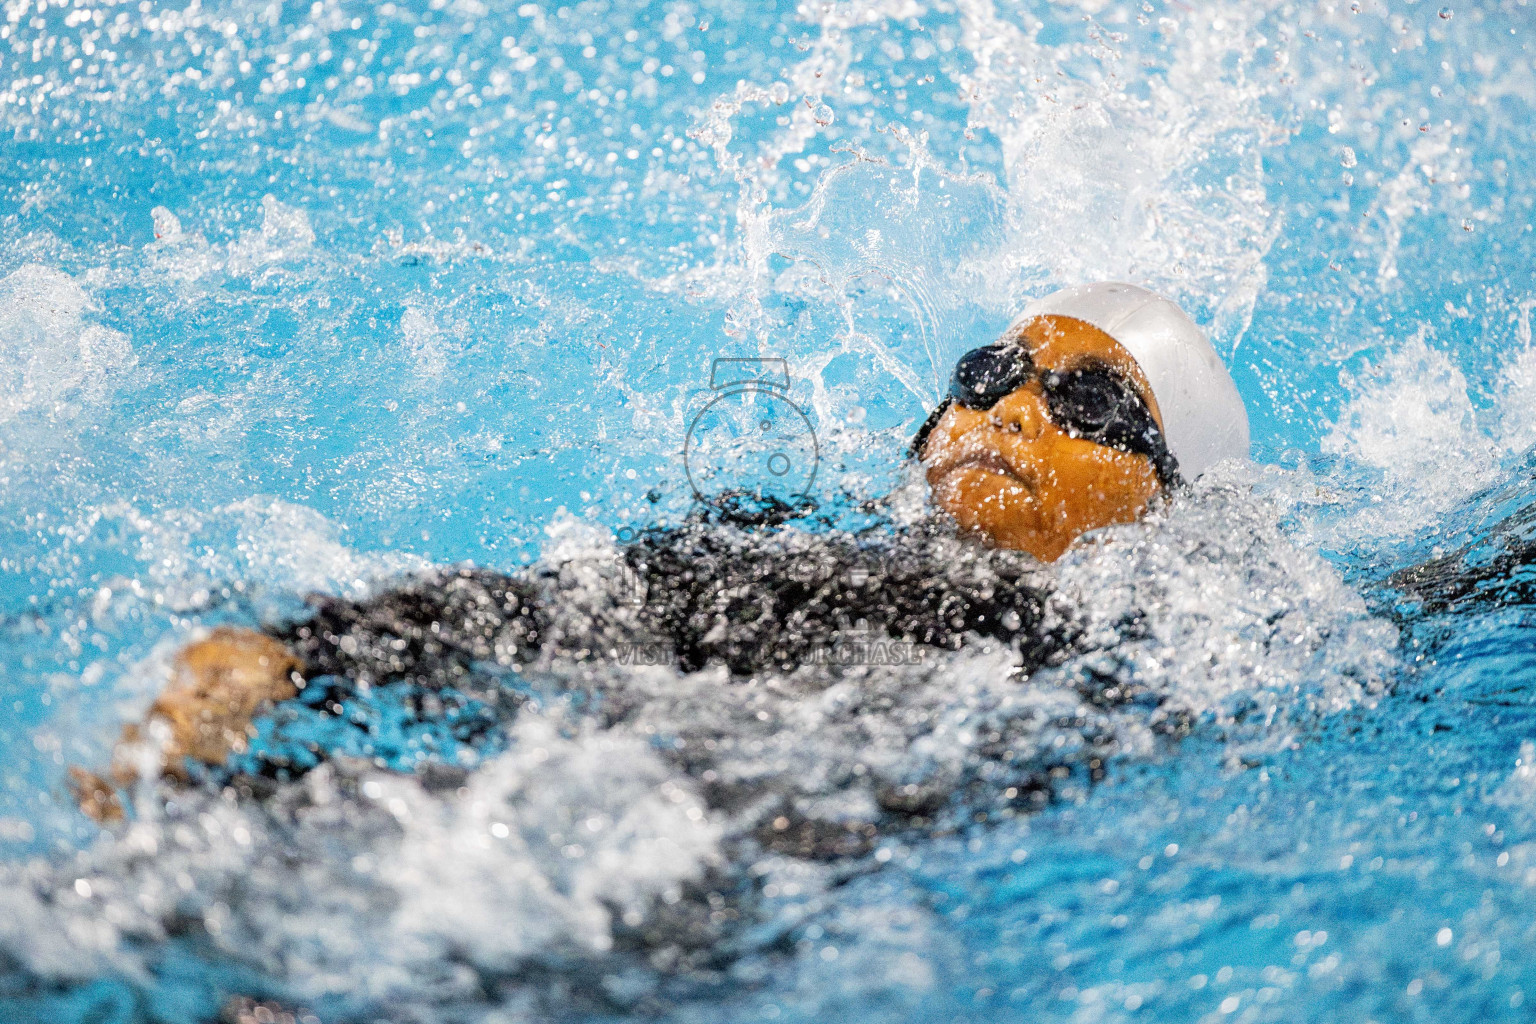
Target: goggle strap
(919,439)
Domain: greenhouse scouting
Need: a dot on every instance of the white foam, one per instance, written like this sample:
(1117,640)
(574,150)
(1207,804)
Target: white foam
(167,225)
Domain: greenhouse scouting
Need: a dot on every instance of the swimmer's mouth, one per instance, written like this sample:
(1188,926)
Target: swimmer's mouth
(975,458)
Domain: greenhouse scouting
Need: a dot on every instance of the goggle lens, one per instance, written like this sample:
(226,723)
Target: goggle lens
(1093,402)
(986,375)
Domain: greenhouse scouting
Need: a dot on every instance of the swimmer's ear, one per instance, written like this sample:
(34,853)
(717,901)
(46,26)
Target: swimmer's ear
(919,439)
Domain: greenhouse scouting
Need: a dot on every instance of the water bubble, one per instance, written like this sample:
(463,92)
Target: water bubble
(822,113)
(1347,158)
(1446,14)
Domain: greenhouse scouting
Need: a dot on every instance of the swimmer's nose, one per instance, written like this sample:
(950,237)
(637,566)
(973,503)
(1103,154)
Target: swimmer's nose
(1021,414)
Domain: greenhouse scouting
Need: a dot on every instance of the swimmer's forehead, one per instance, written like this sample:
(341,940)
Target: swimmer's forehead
(1064,343)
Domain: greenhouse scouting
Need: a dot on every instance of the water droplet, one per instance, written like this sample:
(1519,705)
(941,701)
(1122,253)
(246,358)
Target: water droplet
(1348,158)
(1446,14)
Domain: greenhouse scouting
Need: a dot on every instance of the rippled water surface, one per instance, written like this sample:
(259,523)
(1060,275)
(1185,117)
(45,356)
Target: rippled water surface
(300,298)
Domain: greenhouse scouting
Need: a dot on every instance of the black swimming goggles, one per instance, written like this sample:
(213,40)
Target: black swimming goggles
(1093,402)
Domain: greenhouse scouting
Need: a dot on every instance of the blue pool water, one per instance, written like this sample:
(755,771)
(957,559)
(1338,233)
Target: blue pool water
(294,298)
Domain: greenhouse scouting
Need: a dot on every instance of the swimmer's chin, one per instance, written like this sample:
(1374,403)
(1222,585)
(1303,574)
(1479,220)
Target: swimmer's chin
(996,508)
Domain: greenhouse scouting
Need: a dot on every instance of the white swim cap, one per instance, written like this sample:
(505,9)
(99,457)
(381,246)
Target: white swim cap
(1203,417)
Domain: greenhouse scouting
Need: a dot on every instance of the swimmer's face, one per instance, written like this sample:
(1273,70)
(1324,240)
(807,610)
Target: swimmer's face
(1016,478)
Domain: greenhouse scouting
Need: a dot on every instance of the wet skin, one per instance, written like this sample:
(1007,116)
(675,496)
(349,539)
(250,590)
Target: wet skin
(1011,477)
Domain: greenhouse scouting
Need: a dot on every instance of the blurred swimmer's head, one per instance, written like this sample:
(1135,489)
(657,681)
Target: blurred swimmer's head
(1090,405)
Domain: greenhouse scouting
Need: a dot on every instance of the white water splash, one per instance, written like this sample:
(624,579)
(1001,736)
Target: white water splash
(1162,186)
(1234,617)
(553,862)
(1410,422)
(185,256)
(1516,389)
(424,343)
(53,356)
(528,862)
(285,233)
(263,541)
